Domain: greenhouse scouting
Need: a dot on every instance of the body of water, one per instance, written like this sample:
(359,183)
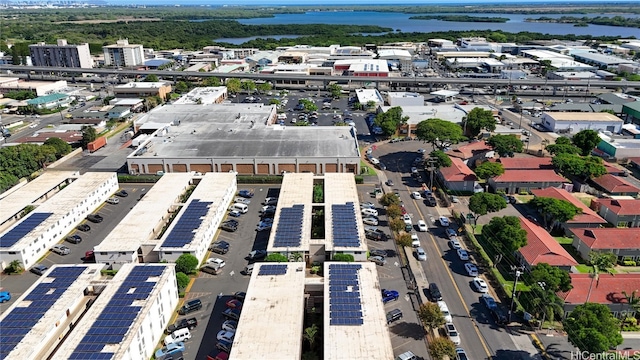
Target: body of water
(401,21)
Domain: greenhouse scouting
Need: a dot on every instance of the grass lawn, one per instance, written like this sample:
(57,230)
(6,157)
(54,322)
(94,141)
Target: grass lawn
(584,269)
(366,169)
(563,240)
(524,198)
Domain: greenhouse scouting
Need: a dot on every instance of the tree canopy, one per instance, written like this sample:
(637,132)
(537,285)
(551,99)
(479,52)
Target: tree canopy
(335,90)
(21,161)
(577,166)
(554,211)
(309,106)
(586,140)
(151,78)
(186,263)
(563,146)
(483,203)
(431,315)
(89,134)
(390,120)
(554,278)
(505,145)
(592,328)
(61,146)
(439,133)
(442,159)
(234,85)
(505,233)
(479,119)
(489,169)
(441,347)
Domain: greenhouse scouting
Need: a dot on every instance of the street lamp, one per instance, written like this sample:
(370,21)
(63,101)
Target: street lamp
(518,272)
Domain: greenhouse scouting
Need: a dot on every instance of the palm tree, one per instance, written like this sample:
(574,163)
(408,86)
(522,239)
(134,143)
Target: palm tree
(311,334)
(15,266)
(601,262)
(632,299)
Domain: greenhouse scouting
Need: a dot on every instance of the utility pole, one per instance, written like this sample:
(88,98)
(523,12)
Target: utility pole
(431,161)
(517,272)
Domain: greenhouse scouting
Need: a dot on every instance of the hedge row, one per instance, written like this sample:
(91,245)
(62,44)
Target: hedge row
(138,178)
(259,179)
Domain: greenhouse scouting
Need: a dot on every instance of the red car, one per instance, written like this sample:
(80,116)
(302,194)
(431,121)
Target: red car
(234,304)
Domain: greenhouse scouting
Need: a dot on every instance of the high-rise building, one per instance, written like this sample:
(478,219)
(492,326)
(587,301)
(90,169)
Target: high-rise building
(61,55)
(123,54)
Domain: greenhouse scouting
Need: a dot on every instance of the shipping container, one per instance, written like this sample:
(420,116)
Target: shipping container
(97,144)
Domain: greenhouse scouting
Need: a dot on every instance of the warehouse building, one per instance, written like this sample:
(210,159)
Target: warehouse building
(573,122)
(143,89)
(31,237)
(240,138)
(619,148)
(405,99)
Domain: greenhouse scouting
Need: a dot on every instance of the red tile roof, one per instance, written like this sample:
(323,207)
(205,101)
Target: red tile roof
(458,171)
(543,248)
(621,206)
(612,169)
(522,163)
(607,290)
(588,216)
(609,238)
(530,176)
(469,150)
(615,185)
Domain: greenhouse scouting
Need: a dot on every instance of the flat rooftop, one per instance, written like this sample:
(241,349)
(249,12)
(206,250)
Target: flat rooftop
(140,225)
(142,85)
(339,190)
(359,330)
(115,318)
(66,201)
(12,203)
(206,95)
(241,130)
(366,95)
(27,325)
(296,190)
(211,189)
(272,319)
(625,143)
(417,114)
(582,116)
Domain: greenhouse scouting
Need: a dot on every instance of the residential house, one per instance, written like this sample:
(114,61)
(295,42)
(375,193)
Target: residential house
(50,101)
(119,112)
(614,185)
(458,176)
(606,290)
(624,242)
(525,163)
(586,219)
(622,213)
(519,181)
(471,152)
(542,248)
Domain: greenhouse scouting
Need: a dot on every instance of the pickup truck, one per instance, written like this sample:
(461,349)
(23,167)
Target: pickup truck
(181,324)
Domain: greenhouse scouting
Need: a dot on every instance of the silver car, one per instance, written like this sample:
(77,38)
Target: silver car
(378,260)
(61,249)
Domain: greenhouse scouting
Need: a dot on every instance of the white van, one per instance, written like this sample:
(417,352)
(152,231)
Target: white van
(239,207)
(370,212)
(177,336)
(445,311)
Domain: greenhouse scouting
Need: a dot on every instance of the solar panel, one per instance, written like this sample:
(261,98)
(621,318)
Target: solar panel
(272,270)
(345,304)
(26,226)
(289,230)
(344,225)
(115,320)
(20,320)
(187,225)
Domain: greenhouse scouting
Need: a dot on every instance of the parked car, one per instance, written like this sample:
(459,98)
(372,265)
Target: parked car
(270,201)
(224,335)
(230,325)
(480,285)
(370,221)
(84,227)
(393,315)
(461,354)
(220,247)
(74,239)
(234,304)
(167,352)
(39,269)
(378,252)
(378,260)
(431,201)
(227,226)
(224,346)
(444,221)
(113,200)
(246,193)
(263,226)
(499,315)
(233,314)
(452,333)
(216,262)
(242,200)
(4,296)
(235,213)
(421,254)
(240,295)
(455,244)
(389,183)
(376,235)
(256,255)
(471,269)
(190,324)
(451,233)
(454,199)
(415,241)
(488,301)
(463,255)
(389,295)
(435,293)
(60,249)
(422,226)
(95,218)
(368,205)
(416,195)
(122,193)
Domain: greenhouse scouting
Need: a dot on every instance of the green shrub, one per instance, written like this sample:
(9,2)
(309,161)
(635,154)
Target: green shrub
(259,179)
(108,272)
(138,178)
(629,263)
(359,179)
(186,263)
(343,257)
(276,257)
(183,280)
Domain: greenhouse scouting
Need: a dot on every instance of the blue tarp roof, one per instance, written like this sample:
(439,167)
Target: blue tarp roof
(156,62)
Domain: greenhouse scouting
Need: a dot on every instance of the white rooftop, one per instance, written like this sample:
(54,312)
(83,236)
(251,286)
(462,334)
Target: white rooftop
(142,85)
(366,95)
(371,340)
(340,189)
(11,203)
(140,225)
(394,54)
(582,116)
(272,320)
(400,95)
(203,95)
(372,65)
(296,189)
(417,114)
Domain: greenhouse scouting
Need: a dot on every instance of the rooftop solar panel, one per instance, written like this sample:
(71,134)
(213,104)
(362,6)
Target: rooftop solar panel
(345,307)
(185,228)
(272,270)
(289,230)
(23,228)
(344,225)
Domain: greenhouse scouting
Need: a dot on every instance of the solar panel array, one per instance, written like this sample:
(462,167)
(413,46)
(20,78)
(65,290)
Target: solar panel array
(345,225)
(273,270)
(17,324)
(113,323)
(344,295)
(26,226)
(185,229)
(289,230)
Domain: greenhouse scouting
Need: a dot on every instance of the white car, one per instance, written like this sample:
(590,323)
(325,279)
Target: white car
(454,199)
(374,161)
(416,195)
(268,208)
(422,226)
(406,217)
(415,242)
(444,221)
(463,255)
(455,244)
(113,200)
(480,285)
(452,333)
(422,255)
(370,221)
(471,269)
(216,262)
(367,205)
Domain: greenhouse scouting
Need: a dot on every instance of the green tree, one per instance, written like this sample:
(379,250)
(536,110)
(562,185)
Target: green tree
(234,85)
(276,257)
(390,120)
(389,199)
(335,90)
(442,159)
(311,335)
(479,119)
(89,134)
(632,299)
(489,169)
(505,145)
(183,280)
(554,211)
(396,224)
(60,146)
(554,278)
(182,87)
(211,81)
(439,133)
(248,85)
(186,263)
(431,315)
(577,166)
(15,267)
(151,78)
(343,257)
(403,239)
(592,328)
(546,303)
(563,146)
(441,347)
(505,233)
(309,106)
(586,141)
(264,87)
(393,211)
(371,104)
(483,203)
